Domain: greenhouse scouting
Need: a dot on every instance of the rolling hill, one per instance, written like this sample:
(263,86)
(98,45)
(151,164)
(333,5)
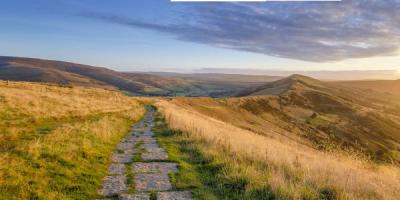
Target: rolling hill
(219,85)
(65,73)
(272,147)
(383,86)
(147,84)
(322,115)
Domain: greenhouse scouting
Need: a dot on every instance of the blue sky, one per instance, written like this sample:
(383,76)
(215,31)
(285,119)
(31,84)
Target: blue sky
(142,35)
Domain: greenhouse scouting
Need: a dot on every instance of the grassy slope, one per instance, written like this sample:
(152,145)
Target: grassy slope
(55,142)
(247,165)
(330,115)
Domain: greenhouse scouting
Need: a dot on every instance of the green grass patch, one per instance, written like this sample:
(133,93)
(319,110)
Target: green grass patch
(61,158)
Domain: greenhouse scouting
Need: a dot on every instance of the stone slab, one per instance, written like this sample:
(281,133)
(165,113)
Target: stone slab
(113,185)
(152,182)
(116,169)
(126,146)
(148,156)
(150,145)
(154,167)
(122,158)
(178,195)
(141,196)
(154,149)
(146,139)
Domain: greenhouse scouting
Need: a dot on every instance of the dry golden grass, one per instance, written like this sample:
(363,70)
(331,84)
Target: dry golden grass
(290,167)
(56,142)
(42,100)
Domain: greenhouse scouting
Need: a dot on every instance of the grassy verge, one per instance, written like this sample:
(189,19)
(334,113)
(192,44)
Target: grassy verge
(56,143)
(208,175)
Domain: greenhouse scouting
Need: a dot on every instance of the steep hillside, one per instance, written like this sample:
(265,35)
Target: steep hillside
(240,163)
(319,114)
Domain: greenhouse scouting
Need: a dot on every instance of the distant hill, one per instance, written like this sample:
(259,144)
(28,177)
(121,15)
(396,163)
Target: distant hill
(279,86)
(384,86)
(38,70)
(220,85)
(220,78)
(149,84)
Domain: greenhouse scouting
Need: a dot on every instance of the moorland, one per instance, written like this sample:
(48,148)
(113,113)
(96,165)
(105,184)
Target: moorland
(234,136)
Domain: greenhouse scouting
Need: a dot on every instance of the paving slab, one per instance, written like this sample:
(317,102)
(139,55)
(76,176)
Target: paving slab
(122,158)
(127,146)
(148,156)
(146,139)
(152,182)
(150,145)
(113,185)
(154,149)
(116,169)
(178,195)
(141,196)
(154,167)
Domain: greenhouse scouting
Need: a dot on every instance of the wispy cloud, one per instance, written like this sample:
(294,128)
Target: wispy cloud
(313,31)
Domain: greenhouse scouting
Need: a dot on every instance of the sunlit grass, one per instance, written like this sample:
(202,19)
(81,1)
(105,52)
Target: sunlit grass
(56,142)
(262,166)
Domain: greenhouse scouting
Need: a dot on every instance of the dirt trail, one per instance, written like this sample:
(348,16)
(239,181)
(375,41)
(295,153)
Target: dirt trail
(149,172)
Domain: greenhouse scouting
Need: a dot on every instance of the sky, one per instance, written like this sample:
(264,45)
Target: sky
(159,35)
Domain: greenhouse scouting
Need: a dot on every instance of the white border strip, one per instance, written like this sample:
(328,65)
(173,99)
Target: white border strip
(249,0)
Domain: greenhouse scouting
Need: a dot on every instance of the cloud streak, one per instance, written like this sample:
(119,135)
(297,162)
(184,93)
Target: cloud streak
(308,31)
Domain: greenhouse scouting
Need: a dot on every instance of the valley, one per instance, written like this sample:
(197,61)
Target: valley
(228,136)
(200,100)
(133,83)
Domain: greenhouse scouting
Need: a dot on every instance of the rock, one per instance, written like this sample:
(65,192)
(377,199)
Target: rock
(116,169)
(152,182)
(180,195)
(148,156)
(154,167)
(122,158)
(113,185)
(141,196)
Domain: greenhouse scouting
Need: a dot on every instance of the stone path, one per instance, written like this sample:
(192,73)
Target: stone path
(141,159)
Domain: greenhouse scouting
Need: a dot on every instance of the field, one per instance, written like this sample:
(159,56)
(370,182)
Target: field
(56,142)
(255,166)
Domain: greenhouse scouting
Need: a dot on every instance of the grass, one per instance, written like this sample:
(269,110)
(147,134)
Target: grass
(191,161)
(208,176)
(56,142)
(246,165)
